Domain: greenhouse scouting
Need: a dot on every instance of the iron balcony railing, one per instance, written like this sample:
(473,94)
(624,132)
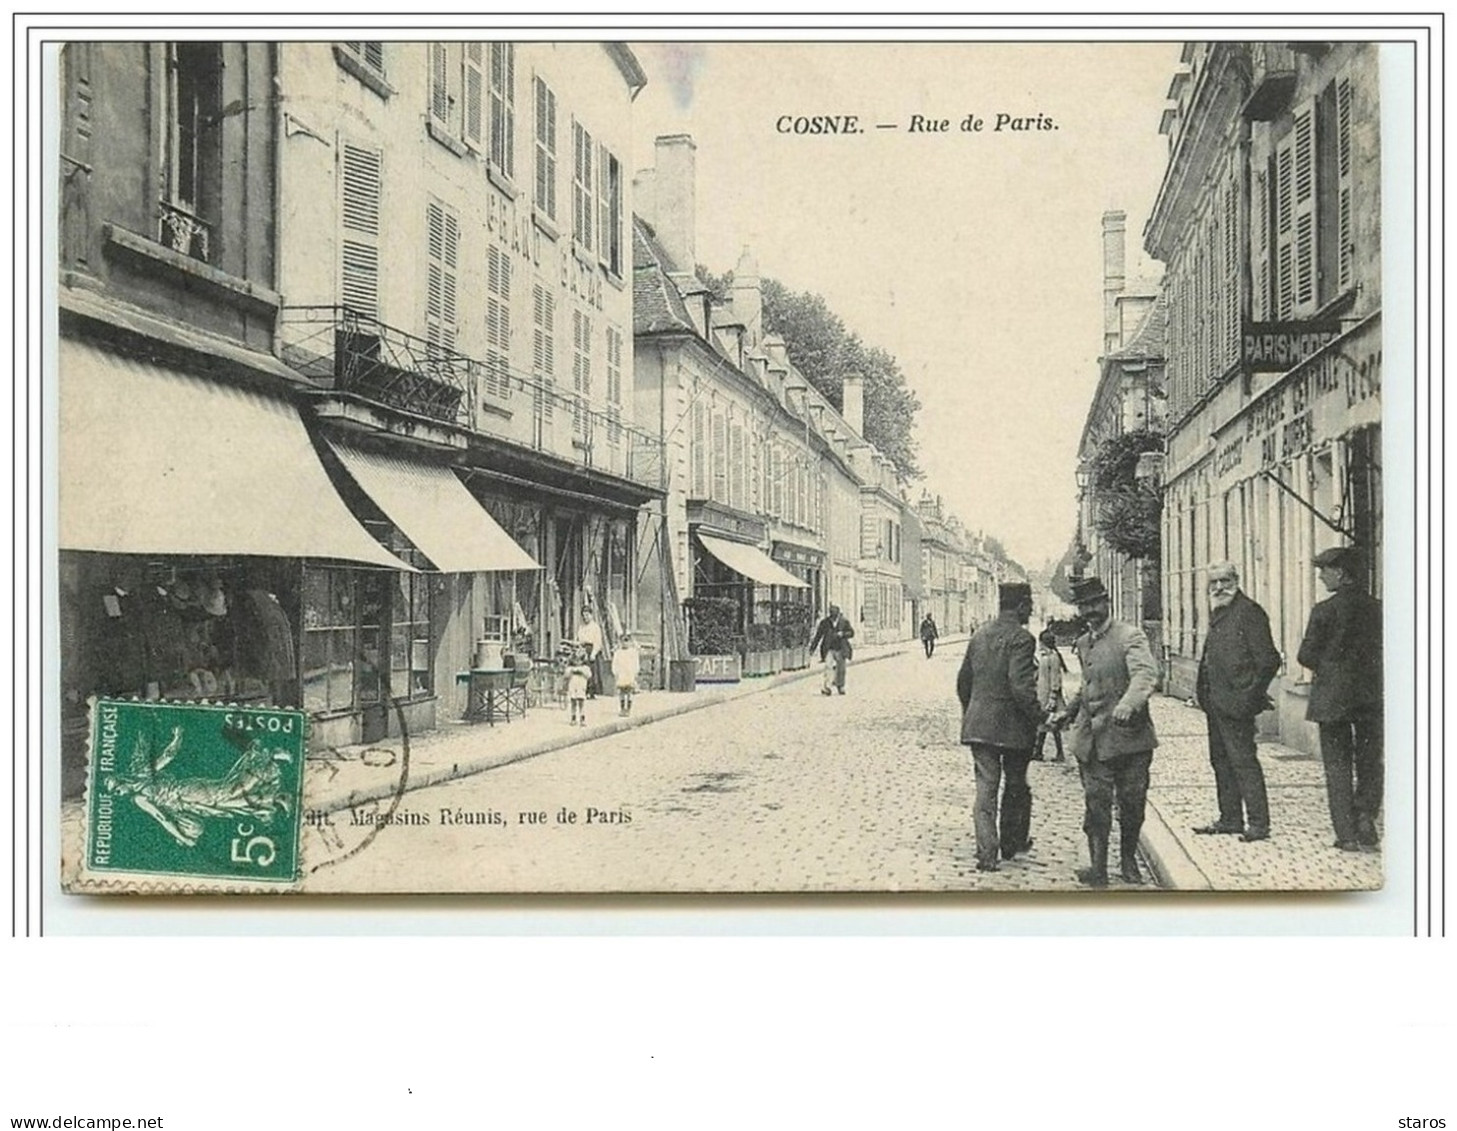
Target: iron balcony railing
(338,348)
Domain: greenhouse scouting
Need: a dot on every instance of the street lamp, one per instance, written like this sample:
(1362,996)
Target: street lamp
(1080,549)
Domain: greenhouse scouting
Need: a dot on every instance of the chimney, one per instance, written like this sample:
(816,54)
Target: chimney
(1114,226)
(674,178)
(645,196)
(748,297)
(852,402)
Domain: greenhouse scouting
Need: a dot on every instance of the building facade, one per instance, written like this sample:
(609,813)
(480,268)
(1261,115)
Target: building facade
(1268,221)
(454,255)
(745,548)
(1127,411)
(192,493)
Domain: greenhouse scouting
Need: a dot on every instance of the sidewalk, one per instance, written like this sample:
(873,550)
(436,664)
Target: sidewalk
(1300,854)
(345,777)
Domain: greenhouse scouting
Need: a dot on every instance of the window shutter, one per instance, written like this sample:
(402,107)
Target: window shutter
(1229,346)
(1285,228)
(543,349)
(443,234)
(720,459)
(498,323)
(359,243)
(474,81)
(503,107)
(1260,267)
(545,149)
(1304,209)
(604,218)
(439,85)
(1346,236)
(700,441)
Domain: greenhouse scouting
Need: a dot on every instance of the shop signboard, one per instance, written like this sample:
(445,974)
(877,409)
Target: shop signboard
(1277,347)
(718,669)
(1333,391)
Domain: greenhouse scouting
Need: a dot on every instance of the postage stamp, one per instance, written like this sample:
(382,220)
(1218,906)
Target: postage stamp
(196,790)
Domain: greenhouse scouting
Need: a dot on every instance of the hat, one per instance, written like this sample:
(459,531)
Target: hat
(1011,594)
(1086,590)
(1342,557)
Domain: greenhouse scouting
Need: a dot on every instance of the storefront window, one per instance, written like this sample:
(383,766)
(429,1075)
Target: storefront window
(328,639)
(178,628)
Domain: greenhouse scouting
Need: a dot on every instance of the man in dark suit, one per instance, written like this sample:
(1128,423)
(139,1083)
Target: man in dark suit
(832,638)
(1235,669)
(1113,737)
(1342,646)
(997,686)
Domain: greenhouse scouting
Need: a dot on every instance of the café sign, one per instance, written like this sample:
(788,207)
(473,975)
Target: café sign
(1276,347)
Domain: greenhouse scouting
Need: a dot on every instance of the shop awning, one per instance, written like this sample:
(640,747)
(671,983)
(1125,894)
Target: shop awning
(750,561)
(156,461)
(435,511)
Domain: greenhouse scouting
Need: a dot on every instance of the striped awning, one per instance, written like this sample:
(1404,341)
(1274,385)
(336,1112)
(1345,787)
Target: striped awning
(157,461)
(750,561)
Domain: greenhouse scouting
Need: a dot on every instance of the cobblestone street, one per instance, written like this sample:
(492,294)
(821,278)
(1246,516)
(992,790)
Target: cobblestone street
(780,791)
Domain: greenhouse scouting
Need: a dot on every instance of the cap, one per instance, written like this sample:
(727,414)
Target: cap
(1342,557)
(1086,590)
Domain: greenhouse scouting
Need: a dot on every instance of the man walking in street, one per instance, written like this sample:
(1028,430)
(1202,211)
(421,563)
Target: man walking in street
(1113,737)
(928,634)
(1342,647)
(997,686)
(832,638)
(1235,669)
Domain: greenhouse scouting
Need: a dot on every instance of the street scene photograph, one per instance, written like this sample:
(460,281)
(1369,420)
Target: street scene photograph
(718,467)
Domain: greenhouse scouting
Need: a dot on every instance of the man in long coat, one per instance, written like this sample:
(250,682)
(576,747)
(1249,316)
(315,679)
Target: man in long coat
(1235,669)
(1342,646)
(1112,736)
(997,686)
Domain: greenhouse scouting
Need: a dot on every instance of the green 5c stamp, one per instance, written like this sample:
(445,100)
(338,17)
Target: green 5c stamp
(186,789)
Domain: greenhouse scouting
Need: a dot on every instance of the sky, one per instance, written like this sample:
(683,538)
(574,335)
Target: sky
(975,257)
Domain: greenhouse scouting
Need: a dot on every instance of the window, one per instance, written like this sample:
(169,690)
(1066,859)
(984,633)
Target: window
(582,187)
(193,169)
(581,373)
(443,250)
(370,54)
(739,467)
(614,385)
(700,452)
(456,93)
(720,458)
(610,221)
(410,651)
(543,350)
(545,133)
(498,323)
(359,190)
(1296,248)
(503,108)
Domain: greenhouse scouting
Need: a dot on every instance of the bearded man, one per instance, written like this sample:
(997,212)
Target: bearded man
(1235,669)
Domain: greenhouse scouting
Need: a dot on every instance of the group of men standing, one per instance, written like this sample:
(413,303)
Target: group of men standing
(1112,733)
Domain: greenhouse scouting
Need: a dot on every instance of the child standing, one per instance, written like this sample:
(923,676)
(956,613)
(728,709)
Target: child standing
(578,675)
(625,663)
(1050,666)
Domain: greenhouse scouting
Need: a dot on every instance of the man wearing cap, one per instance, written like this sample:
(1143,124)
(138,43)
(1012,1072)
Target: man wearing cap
(997,686)
(1342,647)
(1113,737)
(1235,668)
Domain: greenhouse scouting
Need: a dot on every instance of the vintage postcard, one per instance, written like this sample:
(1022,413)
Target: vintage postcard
(741,467)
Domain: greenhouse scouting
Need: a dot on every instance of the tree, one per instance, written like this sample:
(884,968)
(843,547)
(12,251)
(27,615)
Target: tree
(824,350)
(1128,509)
